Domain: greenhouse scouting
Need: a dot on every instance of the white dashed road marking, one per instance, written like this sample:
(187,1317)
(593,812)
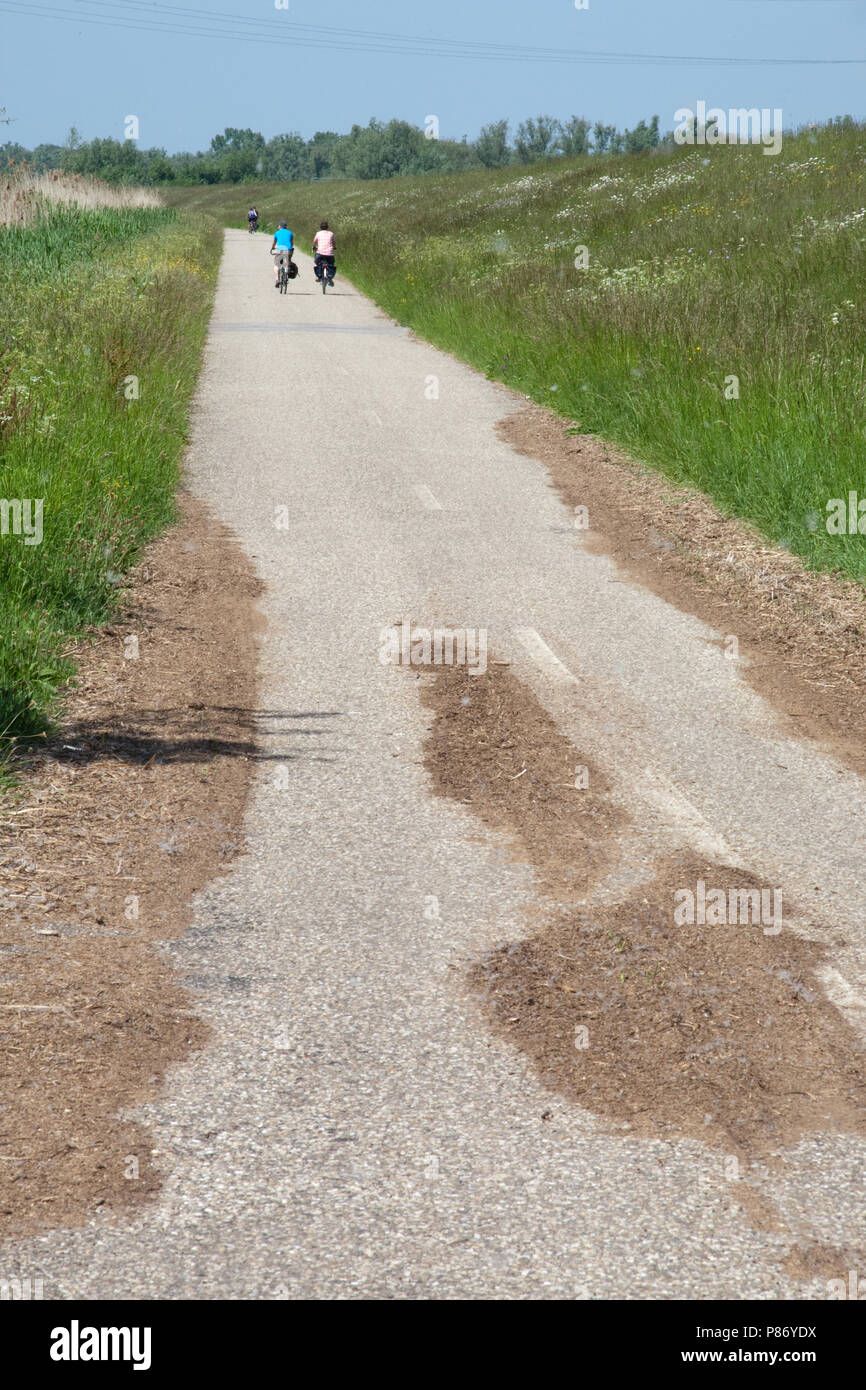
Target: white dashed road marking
(678,810)
(426,496)
(542,655)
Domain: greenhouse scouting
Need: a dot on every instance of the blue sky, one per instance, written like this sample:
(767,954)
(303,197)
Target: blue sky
(57,71)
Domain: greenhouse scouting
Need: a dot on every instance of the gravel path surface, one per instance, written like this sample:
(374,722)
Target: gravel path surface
(353,1129)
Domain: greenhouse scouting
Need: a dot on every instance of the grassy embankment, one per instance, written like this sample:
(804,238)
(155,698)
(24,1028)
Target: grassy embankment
(704,265)
(104,293)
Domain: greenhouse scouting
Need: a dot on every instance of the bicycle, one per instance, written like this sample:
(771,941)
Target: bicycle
(253,224)
(327,269)
(286,272)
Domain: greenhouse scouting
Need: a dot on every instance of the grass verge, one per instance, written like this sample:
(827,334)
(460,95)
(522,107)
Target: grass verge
(104,316)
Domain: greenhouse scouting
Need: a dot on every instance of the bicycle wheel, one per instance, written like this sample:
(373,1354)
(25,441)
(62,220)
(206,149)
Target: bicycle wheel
(324,278)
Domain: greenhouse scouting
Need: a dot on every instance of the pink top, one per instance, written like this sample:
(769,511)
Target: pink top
(323,242)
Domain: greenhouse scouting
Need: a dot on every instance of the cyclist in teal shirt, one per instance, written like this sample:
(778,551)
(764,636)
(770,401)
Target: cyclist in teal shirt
(282,247)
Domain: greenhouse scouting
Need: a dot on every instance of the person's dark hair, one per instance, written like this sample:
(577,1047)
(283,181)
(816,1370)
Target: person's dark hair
(323,227)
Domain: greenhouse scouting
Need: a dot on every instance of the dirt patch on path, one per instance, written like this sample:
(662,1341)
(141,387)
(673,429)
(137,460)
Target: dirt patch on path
(801,635)
(839,1266)
(494,748)
(717,1029)
(119,820)
(716,1032)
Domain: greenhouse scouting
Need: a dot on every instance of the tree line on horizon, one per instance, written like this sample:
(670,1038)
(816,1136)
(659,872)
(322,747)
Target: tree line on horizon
(378,150)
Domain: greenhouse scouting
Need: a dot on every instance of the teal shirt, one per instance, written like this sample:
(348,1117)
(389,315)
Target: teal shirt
(283,237)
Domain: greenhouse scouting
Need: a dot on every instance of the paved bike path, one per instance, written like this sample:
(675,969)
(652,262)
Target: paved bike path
(353,1129)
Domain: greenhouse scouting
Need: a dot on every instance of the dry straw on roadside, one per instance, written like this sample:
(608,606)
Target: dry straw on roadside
(23,192)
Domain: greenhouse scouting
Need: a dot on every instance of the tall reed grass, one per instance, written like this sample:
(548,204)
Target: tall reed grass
(25,195)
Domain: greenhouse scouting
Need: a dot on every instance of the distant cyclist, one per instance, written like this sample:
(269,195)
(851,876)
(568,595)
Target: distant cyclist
(253,219)
(282,250)
(323,248)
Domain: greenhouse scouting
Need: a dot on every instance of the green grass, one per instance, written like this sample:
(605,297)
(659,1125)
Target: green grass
(704,264)
(91,298)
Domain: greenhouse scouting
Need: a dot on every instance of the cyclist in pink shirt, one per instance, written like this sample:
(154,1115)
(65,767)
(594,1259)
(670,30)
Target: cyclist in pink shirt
(323,249)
